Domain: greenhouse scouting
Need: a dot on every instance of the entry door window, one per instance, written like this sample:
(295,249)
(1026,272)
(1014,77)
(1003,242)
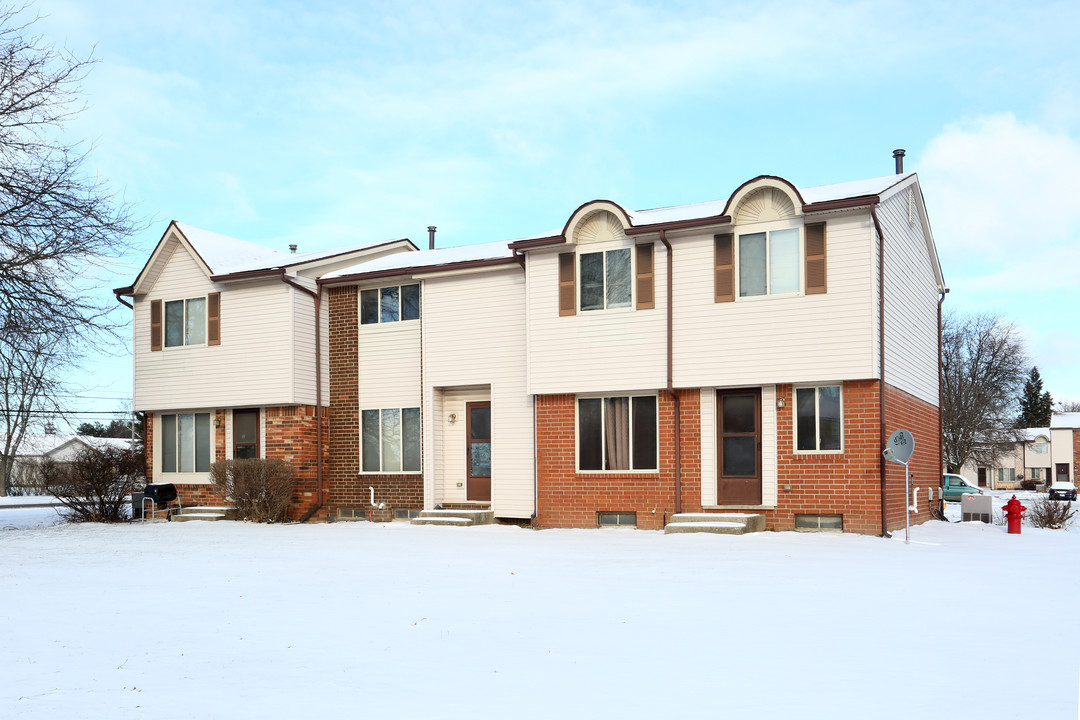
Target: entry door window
(740,447)
(479,450)
(245,434)
(1063,472)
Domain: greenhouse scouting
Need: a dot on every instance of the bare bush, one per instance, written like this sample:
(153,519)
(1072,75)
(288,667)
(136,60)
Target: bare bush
(261,490)
(94,486)
(1028,484)
(1051,514)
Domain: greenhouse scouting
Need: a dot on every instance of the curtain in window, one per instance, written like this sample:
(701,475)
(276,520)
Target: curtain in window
(617,432)
(195,322)
(617,278)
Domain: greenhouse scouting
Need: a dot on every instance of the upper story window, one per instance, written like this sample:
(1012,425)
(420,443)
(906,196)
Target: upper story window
(192,321)
(769,263)
(185,322)
(605,279)
(390,304)
(1041,446)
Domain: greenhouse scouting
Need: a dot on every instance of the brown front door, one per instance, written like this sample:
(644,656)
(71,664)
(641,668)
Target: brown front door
(478,449)
(739,447)
(245,434)
(982,477)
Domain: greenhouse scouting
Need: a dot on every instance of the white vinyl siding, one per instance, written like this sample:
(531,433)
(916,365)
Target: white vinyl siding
(830,336)
(253,365)
(911,301)
(593,352)
(389,357)
(474,349)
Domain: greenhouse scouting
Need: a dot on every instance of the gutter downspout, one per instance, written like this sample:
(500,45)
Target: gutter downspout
(883,438)
(670,371)
(317,296)
(940,383)
(122,301)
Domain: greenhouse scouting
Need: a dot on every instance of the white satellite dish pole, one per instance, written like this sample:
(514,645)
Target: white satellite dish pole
(899,449)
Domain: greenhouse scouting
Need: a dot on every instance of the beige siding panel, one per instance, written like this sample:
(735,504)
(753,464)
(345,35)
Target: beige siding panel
(474,338)
(303,312)
(253,364)
(911,301)
(708,446)
(784,339)
(389,365)
(595,350)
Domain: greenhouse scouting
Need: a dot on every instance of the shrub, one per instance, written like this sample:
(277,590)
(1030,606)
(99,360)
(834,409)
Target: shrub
(94,486)
(1028,484)
(1052,514)
(261,490)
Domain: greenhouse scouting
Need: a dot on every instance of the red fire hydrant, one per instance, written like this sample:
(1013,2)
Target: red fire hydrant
(1014,513)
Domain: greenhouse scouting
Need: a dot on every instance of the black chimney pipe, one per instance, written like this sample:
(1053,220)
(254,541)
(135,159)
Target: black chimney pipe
(431,237)
(898,155)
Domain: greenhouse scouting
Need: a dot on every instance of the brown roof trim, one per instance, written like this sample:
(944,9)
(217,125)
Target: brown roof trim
(680,224)
(842,203)
(247,274)
(124,290)
(777,178)
(537,242)
(394,272)
(353,250)
(582,206)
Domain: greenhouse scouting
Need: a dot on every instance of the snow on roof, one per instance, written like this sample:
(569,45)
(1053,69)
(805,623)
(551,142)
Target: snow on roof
(430,258)
(42,444)
(821,193)
(1031,434)
(1065,420)
(225,255)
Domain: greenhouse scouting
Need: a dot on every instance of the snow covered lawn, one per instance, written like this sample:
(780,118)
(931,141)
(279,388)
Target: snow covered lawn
(205,620)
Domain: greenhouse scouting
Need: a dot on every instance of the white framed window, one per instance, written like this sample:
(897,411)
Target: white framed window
(1006,475)
(185,442)
(390,440)
(769,262)
(395,303)
(185,322)
(1040,446)
(818,418)
(606,279)
(617,433)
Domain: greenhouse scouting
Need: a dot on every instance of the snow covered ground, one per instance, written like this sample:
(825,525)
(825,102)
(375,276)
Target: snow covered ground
(205,620)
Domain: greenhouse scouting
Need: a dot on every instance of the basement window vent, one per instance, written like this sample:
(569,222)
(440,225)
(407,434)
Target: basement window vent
(616,519)
(405,514)
(352,513)
(819,523)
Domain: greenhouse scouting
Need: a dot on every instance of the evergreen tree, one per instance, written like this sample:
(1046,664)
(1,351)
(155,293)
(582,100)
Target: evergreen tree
(1036,406)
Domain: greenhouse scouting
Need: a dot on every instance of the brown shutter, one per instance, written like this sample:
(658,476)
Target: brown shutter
(815,259)
(213,319)
(567,285)
(155,324)
(724,268)
(645,284)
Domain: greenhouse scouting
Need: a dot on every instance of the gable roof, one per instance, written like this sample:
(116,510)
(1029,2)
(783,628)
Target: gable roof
(463,256)
(41,444)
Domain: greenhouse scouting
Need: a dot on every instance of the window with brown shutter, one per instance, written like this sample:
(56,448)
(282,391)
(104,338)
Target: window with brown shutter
(567,285)
(645,284)
(155,324)
(213,319)
(815,259)
(724,262)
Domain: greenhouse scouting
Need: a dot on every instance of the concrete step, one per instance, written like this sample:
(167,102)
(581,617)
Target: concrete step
(719,523)
(461,518)
(207,513)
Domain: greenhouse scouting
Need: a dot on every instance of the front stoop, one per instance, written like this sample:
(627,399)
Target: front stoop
(719,523)
(203,513)
(461,518)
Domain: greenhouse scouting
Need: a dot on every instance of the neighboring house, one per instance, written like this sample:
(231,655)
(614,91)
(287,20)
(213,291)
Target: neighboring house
(747,354)
(34,449)
(1065,446)
(1026,459)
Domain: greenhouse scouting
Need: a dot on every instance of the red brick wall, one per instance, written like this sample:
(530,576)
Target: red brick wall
(904,411)
(346,488)
(567,498)
(848,483)
(291,435)
(149,444)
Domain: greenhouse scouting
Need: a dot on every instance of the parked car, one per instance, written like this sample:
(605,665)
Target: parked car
(953,487)
(1062,490)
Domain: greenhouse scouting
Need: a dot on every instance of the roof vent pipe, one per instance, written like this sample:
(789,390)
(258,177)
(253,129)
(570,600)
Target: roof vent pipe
(431,237)
(898,155)
(292,248)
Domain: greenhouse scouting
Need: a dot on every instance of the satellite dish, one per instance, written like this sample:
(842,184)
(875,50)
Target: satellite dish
(900,447)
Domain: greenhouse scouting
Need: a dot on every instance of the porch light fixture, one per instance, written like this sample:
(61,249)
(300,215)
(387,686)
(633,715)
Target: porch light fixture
(451,418)
(780,402)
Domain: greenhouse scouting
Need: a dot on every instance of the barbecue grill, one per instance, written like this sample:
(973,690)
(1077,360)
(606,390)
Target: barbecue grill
(161,496)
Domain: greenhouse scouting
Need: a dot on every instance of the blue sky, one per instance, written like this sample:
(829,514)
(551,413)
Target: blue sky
(325,123)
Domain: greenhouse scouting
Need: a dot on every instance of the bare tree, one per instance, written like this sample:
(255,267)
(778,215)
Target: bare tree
(983,365)
(57,224)
(1068,406)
